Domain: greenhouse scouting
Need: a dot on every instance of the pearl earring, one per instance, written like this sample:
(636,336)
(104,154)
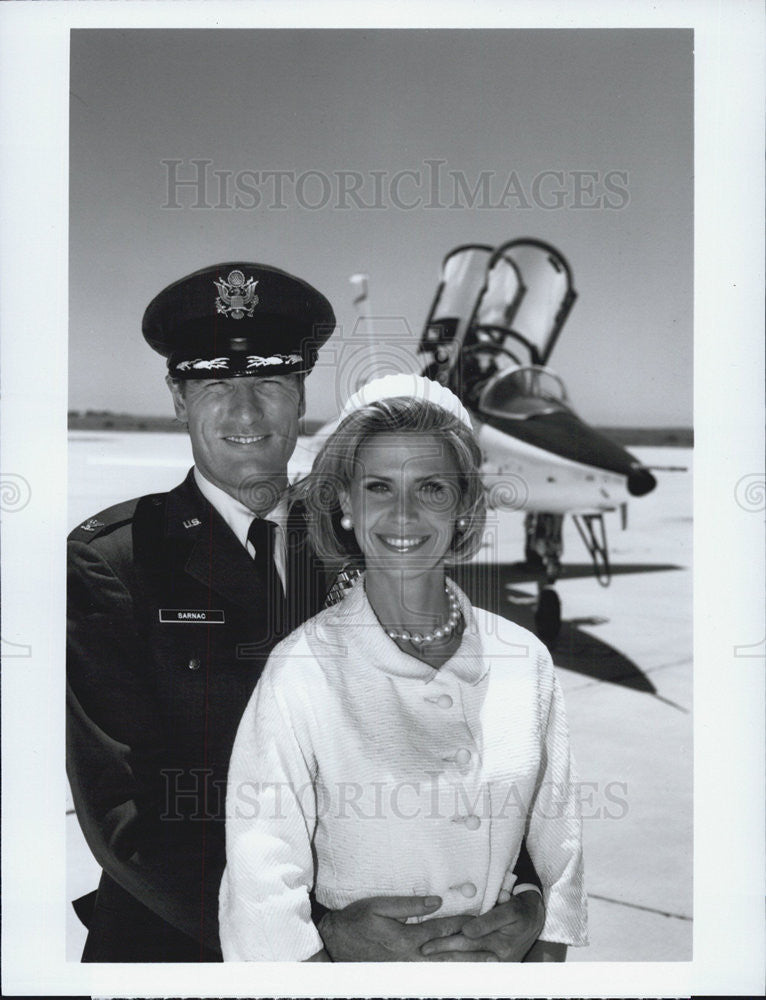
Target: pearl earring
(461,524)
(346,523)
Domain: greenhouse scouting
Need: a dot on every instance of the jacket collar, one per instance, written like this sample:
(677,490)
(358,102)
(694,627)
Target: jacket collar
(354,616)
(215,557)
(218,560)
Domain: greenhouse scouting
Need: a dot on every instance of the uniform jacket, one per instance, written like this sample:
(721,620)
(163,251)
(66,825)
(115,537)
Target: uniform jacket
(426,781)
(168,631)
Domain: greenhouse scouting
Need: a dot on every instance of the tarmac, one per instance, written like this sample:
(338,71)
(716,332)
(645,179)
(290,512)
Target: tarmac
(624,660)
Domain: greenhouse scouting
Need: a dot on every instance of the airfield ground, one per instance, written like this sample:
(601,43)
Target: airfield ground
(624,659)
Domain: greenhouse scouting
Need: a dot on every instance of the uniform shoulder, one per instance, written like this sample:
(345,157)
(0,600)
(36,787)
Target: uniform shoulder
(111,520)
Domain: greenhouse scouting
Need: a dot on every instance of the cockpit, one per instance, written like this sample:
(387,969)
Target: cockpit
(522,392)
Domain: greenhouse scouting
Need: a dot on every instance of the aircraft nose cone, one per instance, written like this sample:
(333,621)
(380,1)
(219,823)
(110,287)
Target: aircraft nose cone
(640,482)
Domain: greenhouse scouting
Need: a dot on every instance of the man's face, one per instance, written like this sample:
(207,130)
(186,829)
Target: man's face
(243,431)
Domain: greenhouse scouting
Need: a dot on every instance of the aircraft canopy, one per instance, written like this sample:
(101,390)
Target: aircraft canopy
(523,392)
(548,294)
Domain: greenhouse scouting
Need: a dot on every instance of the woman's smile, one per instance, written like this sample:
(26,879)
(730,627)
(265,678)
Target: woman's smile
(408,544)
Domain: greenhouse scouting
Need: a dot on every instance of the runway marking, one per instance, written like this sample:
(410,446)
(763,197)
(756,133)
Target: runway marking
(637,906)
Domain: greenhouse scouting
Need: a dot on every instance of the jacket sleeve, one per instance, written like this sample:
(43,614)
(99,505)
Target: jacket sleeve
(114,753)
(265,911)
(554,826)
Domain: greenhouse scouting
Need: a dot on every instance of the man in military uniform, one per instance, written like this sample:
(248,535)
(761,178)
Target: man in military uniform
(174,602)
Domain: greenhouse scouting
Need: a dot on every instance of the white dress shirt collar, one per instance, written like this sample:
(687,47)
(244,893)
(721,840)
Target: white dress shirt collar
(239,518)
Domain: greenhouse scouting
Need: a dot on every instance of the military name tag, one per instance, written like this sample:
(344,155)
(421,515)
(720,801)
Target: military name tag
(201,616)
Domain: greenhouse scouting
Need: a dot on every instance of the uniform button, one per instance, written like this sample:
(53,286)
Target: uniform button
(472,822)
(444,701)
(194,664)
(463,756)
(467,889)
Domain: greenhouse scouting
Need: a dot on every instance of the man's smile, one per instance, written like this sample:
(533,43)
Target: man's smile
(245,438)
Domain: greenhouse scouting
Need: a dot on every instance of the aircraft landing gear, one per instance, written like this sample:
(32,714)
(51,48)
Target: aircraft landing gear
(548,616)
(542,549)
(593,533)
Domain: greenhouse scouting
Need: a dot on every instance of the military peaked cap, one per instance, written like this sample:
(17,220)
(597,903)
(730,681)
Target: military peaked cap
(237,319)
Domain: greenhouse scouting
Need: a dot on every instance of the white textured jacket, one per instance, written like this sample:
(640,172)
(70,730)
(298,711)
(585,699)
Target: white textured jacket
(360,771)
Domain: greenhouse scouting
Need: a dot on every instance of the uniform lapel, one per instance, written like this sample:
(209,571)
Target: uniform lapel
(209,552)
(215,558)
(219,562)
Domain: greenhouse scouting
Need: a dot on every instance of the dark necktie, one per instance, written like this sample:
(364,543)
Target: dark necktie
(262,536)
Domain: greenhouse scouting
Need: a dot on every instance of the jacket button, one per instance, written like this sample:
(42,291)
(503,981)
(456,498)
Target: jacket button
(463,756)
(194,663)
(472,822)
(467,889)
(444,701)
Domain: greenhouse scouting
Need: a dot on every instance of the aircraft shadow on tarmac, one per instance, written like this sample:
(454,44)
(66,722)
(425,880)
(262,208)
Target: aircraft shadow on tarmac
(491,586)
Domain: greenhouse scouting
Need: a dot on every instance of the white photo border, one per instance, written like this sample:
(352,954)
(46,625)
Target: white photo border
(728,558)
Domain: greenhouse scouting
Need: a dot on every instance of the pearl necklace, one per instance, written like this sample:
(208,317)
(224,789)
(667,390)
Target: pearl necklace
(440,632)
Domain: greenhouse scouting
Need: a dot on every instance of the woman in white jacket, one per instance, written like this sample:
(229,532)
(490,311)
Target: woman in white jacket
(401,741)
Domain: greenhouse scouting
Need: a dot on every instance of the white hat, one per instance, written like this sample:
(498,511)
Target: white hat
(407,385)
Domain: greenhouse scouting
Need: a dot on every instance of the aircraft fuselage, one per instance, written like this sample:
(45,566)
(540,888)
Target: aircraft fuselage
(522,476)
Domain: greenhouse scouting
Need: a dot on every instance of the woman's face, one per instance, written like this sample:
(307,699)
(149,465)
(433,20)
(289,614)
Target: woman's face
(404,501)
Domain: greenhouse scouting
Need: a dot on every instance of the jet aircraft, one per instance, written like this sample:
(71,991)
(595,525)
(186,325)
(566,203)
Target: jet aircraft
(493,324)
(492,327)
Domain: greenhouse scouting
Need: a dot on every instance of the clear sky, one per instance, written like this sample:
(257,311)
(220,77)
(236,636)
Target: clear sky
(581,138)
